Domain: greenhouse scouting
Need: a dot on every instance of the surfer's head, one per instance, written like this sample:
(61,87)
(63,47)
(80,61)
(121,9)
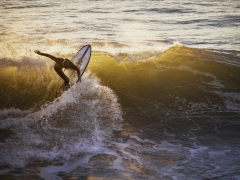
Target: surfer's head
(65,64)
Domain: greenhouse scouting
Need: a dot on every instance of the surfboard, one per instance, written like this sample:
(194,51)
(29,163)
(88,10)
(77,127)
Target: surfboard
(81,60)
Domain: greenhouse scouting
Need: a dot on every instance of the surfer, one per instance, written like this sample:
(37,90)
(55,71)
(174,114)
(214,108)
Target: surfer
(61,63)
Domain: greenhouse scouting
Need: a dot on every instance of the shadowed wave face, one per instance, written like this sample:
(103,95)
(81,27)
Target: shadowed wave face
(25,85)
(175,79)
(165,91)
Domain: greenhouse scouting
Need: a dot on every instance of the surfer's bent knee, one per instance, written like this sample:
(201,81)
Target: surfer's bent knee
(58,69)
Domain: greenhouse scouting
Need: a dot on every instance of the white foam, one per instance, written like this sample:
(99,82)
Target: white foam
(196,150)
(80,121)
(50,172)
(177,43)
(13,112)
(215,82)
(124,153)
(142,140)
(219,153)
(231,99)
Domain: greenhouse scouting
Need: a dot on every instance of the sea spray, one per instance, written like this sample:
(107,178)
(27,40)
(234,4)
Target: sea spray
(80,121)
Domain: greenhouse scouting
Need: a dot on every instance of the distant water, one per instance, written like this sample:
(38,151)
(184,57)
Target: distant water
(160,98)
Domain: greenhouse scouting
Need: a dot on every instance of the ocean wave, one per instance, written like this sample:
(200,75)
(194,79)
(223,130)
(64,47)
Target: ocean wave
(179,72)
(78,122)
(190,74)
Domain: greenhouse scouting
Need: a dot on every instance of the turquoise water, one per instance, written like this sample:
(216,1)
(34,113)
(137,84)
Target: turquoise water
(160,98)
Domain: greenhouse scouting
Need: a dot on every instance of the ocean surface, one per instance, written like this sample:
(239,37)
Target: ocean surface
(160,98)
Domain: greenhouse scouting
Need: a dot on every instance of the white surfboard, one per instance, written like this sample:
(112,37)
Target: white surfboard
(81,60)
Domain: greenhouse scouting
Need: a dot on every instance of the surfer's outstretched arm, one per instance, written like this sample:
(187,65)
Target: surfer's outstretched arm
(60,61)
(47,55)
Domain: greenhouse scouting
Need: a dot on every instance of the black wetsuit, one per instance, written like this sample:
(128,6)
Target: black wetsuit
(59,65)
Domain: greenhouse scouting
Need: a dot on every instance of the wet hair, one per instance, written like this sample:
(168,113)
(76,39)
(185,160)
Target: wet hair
(66,64)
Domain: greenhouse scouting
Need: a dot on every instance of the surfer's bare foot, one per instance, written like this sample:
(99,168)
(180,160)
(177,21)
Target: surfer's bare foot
(79,78)
(67,87)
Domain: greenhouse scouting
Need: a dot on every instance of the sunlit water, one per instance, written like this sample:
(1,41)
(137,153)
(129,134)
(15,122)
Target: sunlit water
(160,98)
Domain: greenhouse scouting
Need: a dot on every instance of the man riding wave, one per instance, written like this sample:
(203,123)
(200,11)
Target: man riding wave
(61,63)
